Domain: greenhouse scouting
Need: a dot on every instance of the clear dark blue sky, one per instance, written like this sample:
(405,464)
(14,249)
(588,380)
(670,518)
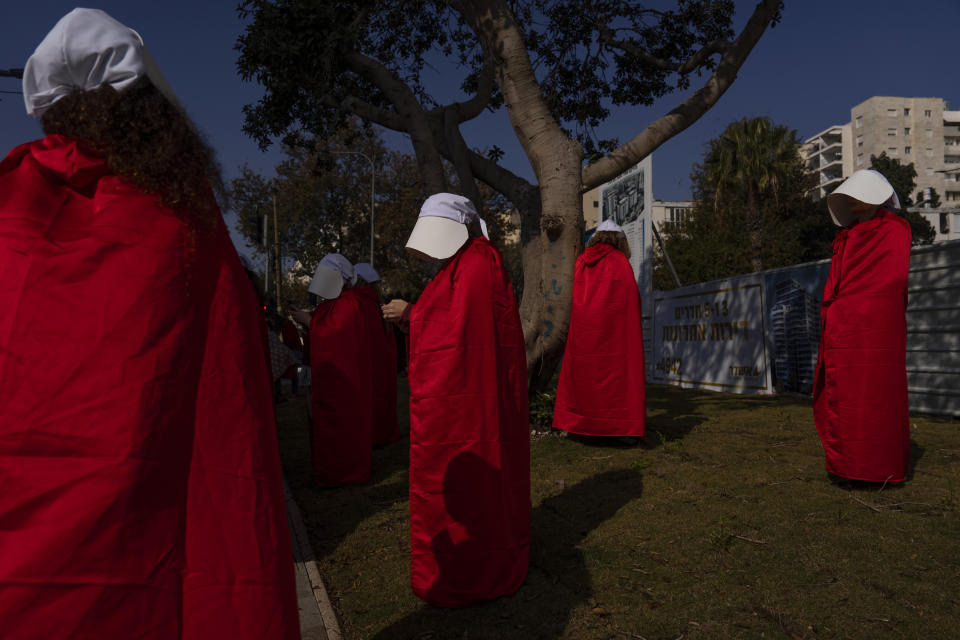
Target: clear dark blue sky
(823,58)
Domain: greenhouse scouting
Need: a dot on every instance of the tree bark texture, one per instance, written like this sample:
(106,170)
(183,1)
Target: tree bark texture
(552,237)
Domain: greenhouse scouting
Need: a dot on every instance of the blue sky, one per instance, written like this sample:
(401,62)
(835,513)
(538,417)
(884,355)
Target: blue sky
(823,58)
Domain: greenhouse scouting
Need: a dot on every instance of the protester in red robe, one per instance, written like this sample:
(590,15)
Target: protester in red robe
(602,381)
(383,351)
(860,390)
(341,378)
(141,485)
(469,424)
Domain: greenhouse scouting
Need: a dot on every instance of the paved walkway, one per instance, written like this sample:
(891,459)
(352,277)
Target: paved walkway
(317,619)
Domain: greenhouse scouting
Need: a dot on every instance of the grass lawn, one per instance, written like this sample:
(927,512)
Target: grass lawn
(722,524)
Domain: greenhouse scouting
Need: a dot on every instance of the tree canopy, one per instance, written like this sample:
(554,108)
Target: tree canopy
(902,178)
(751,209)
(323,198)
(556,67)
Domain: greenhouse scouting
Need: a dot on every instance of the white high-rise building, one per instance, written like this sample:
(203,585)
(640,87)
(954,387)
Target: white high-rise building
(921,131)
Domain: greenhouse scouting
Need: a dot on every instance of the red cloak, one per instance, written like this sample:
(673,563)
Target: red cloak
(142,493)
(383,364)
(602,381)
(469,434)
(341,390)
(860,390)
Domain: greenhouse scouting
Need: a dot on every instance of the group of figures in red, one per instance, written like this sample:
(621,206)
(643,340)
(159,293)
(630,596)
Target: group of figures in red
(142,488)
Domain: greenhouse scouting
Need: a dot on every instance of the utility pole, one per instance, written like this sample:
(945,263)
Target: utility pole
(276,248)
(656,234)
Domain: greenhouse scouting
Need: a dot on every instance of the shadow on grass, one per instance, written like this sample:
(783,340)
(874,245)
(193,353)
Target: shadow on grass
(672,412)
(558,579)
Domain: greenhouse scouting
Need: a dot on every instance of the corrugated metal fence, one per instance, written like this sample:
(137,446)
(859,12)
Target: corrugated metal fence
(933,329)
(933,325)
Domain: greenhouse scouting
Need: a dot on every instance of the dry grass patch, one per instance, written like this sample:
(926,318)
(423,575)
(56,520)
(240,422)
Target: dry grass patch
(722,524)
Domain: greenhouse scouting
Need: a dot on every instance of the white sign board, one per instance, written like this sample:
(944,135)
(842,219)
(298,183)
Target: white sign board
(628,201)
(712,336)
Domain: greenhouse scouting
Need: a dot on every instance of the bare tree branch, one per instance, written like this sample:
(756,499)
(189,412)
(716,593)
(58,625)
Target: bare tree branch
(691,109)
(459,155)
(408,108)
(473,107)
(367,111)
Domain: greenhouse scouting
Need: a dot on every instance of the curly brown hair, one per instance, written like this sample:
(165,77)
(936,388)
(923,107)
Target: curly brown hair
(614,238)
(146,140)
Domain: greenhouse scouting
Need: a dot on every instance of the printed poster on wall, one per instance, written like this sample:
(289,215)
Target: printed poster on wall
(793,314)
(712,336)
(628,201)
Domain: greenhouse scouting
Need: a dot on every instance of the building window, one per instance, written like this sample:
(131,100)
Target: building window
(596,204)
(891,151)
(929,171)
(676,215)
(859,121)
(906,131)
(907,150)
(929,152)
(891,131)
(951,159)
(929,133)
(927,113)
(892,113)
(906,111)
(859,159)
(859,141)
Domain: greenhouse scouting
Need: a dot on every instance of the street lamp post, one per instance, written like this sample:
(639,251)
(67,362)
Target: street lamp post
(372,184)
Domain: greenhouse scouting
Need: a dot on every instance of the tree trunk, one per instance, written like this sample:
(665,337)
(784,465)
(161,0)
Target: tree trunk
(553,238)
(551,243)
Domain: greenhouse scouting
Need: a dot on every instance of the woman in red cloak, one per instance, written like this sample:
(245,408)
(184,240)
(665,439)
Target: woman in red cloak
(469,424)
(602,381)
(383,354)
(142,493)
(341,378)
(860,389)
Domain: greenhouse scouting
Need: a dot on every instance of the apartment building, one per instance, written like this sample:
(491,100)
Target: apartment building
(921,131)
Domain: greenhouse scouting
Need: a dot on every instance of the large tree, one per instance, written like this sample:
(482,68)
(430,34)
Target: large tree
(556,66)
(321,195)
(751,209)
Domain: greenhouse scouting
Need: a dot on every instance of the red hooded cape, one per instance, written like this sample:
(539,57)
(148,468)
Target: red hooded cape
(142,493)
(602,381)
(383,364)
(860,389)
(469,434)
(341,390)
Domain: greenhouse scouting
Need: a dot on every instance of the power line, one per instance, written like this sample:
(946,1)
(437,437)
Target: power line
(19,93)
(11,73)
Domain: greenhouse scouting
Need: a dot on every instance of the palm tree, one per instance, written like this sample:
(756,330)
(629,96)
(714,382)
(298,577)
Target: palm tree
(749,162)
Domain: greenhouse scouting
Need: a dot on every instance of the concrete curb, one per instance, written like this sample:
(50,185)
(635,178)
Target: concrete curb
(317,618)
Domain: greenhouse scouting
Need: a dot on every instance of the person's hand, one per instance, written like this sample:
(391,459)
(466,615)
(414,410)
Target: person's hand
(302,316)
(394,310)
